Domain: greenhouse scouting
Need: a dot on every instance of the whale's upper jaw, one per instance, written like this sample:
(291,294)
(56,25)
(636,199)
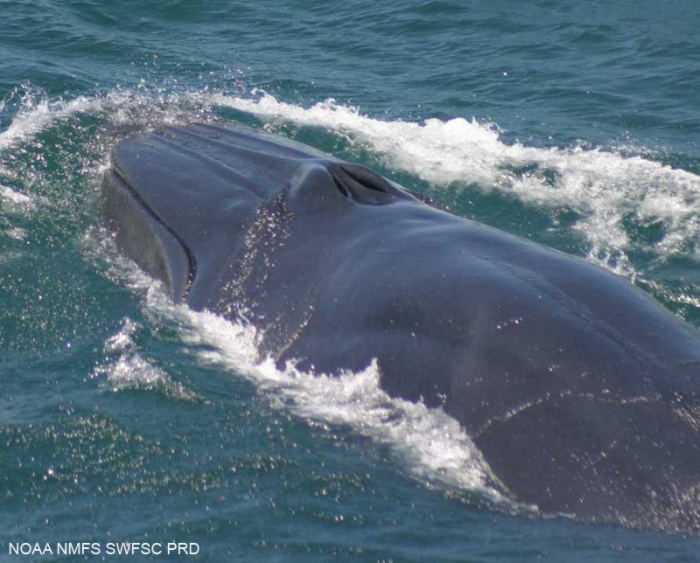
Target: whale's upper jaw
(204,164)
(190,193)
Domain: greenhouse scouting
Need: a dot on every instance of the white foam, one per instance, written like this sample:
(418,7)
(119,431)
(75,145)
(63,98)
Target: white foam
(11,196)
(16,203)
(604,187)
(119,111)
(17,234)
(433,445)
(128,369)
(37,113)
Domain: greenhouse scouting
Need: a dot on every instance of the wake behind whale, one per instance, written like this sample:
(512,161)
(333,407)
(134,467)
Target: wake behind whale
(581,392)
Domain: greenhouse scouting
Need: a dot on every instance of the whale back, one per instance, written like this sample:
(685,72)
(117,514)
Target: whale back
(582,393)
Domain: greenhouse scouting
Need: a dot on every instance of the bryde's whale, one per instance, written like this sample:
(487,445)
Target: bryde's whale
(582,393)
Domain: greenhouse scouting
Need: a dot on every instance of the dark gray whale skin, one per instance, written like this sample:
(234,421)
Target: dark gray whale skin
(582,393)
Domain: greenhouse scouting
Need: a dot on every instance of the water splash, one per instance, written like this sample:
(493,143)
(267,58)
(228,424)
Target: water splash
(614,195)
(14,198)
(126,368)
(433,446)
(607,189)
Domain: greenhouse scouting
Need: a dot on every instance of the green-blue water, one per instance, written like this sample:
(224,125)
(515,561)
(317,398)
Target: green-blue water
(123,418)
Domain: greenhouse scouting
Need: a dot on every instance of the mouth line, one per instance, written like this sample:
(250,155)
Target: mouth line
(118,177)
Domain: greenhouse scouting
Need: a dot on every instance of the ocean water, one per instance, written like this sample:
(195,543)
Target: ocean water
(125,418)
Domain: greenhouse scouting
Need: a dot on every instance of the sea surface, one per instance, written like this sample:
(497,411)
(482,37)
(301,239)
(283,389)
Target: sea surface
(125,418)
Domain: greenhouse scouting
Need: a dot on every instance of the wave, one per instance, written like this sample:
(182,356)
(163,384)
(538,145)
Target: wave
(613,194)
(36,112)
(607,189)
(431,446)
(129,369)
(13,197)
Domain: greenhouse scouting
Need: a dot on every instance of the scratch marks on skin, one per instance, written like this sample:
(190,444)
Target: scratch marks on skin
(548,397)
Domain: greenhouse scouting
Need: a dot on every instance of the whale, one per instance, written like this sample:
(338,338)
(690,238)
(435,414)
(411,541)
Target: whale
(580,391)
